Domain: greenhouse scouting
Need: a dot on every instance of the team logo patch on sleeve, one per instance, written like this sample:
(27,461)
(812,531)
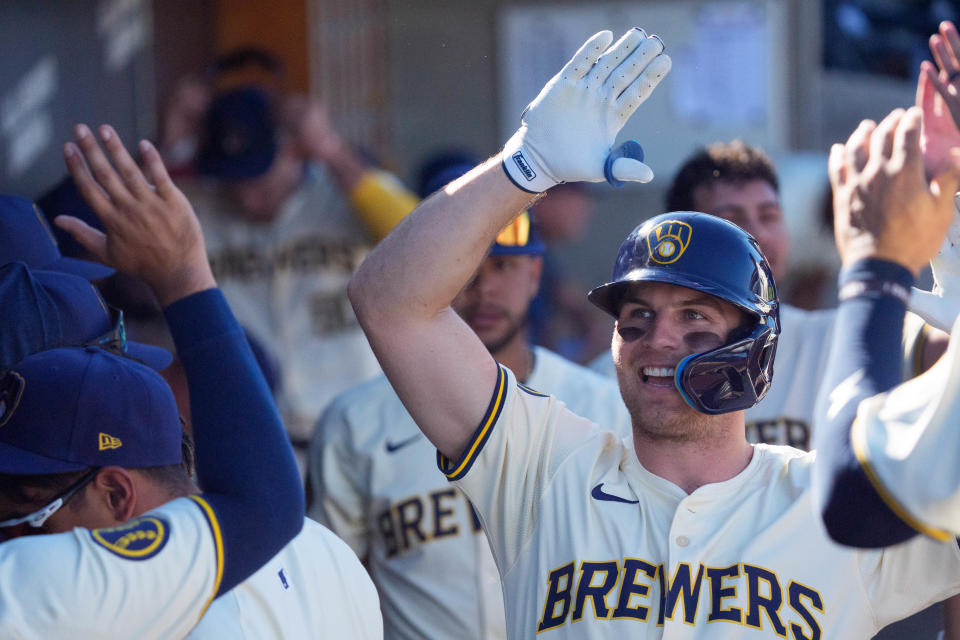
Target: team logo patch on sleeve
(668,240)
(139,539)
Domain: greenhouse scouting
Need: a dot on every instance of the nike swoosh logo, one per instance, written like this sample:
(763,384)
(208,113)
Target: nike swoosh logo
(599,494)
(392,447)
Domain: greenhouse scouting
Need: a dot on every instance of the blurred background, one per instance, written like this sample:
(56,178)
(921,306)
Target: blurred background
(402,78)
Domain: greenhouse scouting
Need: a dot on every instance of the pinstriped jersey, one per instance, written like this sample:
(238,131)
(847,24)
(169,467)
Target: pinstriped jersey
(589,544)
(376,485)
(151,577)
(315,587)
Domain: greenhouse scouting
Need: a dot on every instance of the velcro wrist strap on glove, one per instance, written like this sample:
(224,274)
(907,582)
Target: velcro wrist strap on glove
(522,167)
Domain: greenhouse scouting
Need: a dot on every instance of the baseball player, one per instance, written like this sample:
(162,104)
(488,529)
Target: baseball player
(370,467)
(738,182)
(888,450)
(153,576)
(687,530)
(292,596)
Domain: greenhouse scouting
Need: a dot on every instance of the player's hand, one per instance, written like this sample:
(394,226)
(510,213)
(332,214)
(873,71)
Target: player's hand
(152,231)
(567,132)
(313,130)
(941,306)
(945,47)
(884,205)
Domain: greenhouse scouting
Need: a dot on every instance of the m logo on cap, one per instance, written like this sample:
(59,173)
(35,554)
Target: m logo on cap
(11,391)
(107,441)
(668,240)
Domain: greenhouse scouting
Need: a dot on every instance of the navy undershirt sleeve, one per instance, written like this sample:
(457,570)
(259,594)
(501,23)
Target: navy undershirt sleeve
(244,461)
(865,359)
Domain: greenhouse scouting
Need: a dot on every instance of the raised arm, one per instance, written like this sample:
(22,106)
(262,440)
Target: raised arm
(245,464)
(890,220)
(402,292)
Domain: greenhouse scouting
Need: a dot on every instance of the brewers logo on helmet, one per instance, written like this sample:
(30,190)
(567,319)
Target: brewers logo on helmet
(707,254)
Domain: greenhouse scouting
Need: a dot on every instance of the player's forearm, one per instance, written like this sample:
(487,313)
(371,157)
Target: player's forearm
(863,362)
(429,257)
(245,464)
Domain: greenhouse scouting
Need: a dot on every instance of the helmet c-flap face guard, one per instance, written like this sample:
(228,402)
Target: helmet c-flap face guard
(713,256)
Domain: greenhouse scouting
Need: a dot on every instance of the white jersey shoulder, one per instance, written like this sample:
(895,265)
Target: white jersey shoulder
(376,484)
(314,588)
(150,578)
(592,545)
(905,440)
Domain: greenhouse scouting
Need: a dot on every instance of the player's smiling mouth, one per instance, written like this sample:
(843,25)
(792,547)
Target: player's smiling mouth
(657,376)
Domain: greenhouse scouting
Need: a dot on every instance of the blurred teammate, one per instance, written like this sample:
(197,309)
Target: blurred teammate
(289,210)
(372,470)
(691,530)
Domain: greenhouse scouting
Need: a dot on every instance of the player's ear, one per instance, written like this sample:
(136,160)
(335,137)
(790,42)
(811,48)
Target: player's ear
(119,492)
(536,271)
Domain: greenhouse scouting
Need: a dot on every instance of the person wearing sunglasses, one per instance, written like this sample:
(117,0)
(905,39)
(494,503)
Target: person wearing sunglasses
(150,553)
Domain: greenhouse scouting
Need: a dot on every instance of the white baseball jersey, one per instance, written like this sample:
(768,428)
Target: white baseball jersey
(286,282)
(377,486)
(151,577)
(785,414)
(591,545)
(314,588)
(906,441)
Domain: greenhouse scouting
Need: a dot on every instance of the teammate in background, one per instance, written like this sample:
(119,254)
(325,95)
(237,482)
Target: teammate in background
(370,465)
(738,182)
(289,211)
(183,554)
(690,527)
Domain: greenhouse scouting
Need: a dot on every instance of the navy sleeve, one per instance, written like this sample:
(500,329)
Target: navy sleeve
(864,360)
(244,460)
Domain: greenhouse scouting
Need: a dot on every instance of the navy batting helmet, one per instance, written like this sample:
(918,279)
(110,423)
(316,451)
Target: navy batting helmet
(710,255)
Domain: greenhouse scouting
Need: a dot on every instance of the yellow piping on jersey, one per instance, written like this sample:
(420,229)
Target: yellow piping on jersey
(217,542)
(858,437)
(501,386)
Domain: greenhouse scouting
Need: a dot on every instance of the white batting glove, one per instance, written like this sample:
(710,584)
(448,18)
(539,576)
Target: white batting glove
(567,132)
(941,306)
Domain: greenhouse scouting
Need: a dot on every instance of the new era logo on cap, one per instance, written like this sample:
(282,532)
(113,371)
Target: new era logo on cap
(109,442)
(72,408)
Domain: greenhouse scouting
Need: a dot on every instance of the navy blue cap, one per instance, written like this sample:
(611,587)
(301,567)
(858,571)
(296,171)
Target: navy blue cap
(68,409)
(48,309)
(239,138)
(26,237)
(517,238)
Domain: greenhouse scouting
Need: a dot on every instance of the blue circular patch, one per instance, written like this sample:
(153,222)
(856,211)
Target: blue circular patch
(139,539)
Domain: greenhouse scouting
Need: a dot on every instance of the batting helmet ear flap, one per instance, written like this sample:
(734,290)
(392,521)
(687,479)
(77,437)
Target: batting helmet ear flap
(713,256)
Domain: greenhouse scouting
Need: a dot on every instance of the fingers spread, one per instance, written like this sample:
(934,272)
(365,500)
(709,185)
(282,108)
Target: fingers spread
(101,169)
(835,166)
(952,41)
(857,145)
(155,169)
(631,66)
(881,141)
(129,171)
(93,240)
(906,142)
(586,56)
(613,56)
(86,185)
